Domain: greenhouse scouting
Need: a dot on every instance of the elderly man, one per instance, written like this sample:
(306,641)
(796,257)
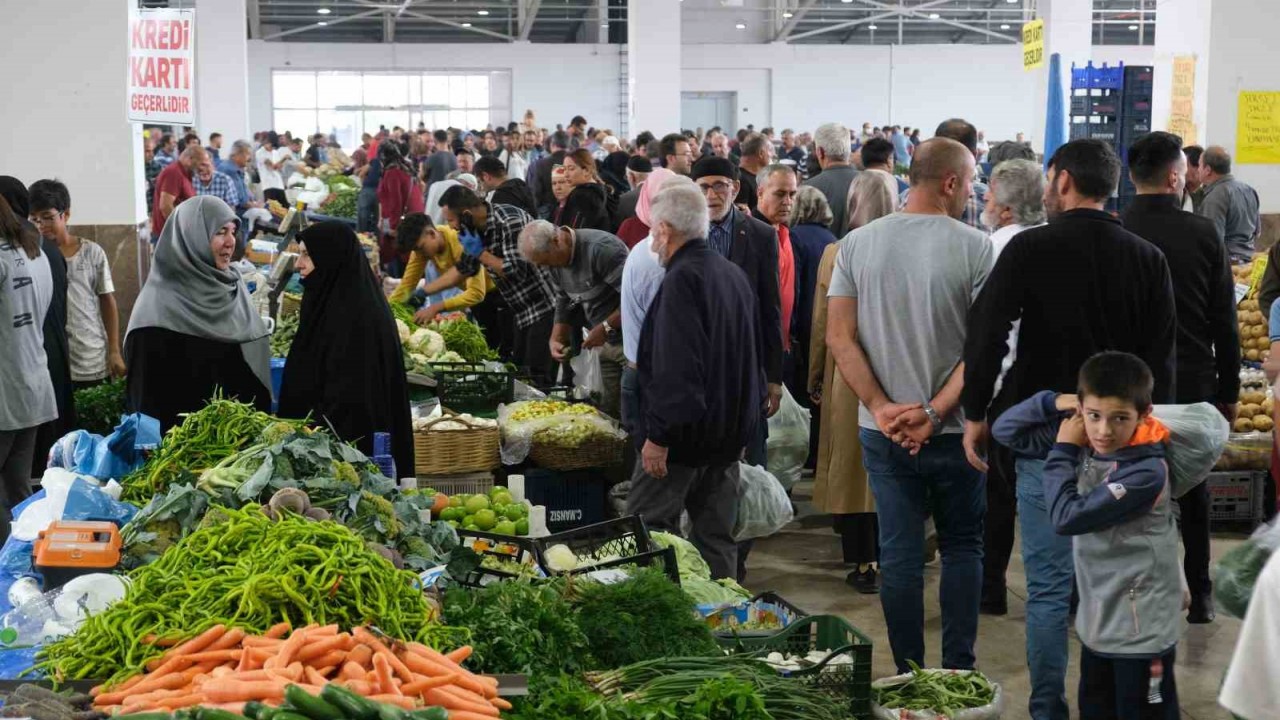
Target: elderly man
(1015,202)
(1082,271)
(899,350)
(173,185)
(776,197)
(1208,342)
(1230,204)
(700,384)
(832,148)
(638,168)
(753,246)
(208,181)
(756,153)
(585,268)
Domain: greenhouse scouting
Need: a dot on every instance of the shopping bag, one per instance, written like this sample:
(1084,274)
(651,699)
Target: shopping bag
(586,373)
(763,505)
(788,445)
(1198,435)
(1237,571)
(990,711)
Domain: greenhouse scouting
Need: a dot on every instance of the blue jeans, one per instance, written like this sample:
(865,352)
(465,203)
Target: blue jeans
(367,210)
(1046,556)
(938,481)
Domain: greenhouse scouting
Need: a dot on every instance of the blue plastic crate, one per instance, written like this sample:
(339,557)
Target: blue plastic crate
(277,379)
(573,497)
(1103,78)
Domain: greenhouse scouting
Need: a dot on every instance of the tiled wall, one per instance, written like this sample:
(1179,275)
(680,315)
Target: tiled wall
(121,243)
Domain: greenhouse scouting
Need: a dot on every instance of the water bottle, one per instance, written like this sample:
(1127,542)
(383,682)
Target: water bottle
(25,625)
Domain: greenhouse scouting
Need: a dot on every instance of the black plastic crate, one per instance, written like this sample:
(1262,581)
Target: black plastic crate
(573,498)
(626,538)
(501,547)
(1236,495)
(472,388)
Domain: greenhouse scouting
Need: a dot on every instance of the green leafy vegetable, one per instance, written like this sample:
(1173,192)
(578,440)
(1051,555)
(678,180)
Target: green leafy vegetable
(465,338)
(282,338)
(163,522)
(519,627)
(99,407)
(942,691)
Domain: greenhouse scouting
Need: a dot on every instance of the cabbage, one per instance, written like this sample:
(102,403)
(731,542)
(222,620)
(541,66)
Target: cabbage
(403,330)
(560,558)
(688,559)
(711,592)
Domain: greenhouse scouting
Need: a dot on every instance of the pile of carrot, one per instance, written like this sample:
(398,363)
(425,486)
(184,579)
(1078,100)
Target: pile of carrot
(225,668)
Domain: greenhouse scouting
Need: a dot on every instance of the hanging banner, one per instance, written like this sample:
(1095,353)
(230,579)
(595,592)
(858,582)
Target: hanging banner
(1033,44)
(1258,128)
(1182,109)
(162,66)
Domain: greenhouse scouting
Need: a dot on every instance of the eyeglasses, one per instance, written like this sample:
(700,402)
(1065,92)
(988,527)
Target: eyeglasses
(46,218)
(720,187)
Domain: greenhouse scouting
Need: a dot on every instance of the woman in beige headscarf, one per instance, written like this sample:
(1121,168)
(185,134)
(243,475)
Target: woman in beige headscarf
(840,484)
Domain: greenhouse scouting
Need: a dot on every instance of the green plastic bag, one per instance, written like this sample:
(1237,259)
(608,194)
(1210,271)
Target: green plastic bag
(1238,570)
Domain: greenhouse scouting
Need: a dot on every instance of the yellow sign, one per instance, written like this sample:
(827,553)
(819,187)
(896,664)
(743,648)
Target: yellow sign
(1258,128)
(1033,45)
(1182,112)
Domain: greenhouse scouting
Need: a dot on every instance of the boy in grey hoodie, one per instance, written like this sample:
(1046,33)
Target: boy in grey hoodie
(1107,485)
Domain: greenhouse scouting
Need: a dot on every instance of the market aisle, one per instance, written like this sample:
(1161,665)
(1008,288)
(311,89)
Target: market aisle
(803,564)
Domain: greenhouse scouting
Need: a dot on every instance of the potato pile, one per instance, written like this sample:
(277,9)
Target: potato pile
(1255,340)
(1256,408)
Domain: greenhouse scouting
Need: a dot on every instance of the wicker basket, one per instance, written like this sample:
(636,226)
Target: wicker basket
(595,452)
(290,304)
(453,452)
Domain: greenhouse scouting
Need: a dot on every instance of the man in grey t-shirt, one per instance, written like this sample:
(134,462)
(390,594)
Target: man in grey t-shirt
(898,309)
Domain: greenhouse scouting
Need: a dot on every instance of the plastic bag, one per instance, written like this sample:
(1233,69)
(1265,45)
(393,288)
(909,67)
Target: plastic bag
(38,618)
(1198,436)
(990,711)
(763,505)
(552,421)
(114,456)
(1237,571)
(587,380)
(788,445)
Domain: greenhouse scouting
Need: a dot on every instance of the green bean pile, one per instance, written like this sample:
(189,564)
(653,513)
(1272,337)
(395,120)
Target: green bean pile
(246,572)
(200,441)
(941,691)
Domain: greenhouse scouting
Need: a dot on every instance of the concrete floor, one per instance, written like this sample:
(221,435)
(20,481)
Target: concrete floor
(803,564)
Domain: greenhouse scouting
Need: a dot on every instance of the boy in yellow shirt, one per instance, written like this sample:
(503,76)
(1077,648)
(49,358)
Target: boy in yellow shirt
(439,244)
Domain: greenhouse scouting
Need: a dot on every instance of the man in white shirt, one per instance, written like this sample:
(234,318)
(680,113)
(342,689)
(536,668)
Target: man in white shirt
(269,164)
(1015,202)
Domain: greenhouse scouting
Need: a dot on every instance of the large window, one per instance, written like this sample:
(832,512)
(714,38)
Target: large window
(346,104)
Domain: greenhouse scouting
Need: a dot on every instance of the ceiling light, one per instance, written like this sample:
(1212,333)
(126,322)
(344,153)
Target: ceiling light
(787,14)
(741,26)
(1133,27)
(933,16)
(324,11)
(1011,1)
(1004,27)
(872,27)
(322,23)
(482,12)
(846,2)
(604,25)
(466,24)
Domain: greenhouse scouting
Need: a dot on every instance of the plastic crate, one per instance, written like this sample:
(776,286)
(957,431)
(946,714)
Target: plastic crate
(470,484)
(626,538)
(574,498)
(849,684)
(472,388)
(1236,496)
(725,622)
(505,547)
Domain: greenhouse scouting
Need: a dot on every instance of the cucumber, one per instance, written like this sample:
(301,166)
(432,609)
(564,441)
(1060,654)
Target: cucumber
(288,715)
(215,714)
(391,712)
(352,706)
(144,716)
(430,713)
(310,705)
(252,708)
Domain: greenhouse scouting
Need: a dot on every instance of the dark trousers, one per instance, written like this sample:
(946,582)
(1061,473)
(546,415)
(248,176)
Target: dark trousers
(710,494)
(494,318)
(1194,518)
(859,537)
(16,450)
(1112,689)
(533,350)
(1002,513)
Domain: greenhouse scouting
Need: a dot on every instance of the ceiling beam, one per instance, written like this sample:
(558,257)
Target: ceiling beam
(255,20)
(870,19)
(794,20)
(915,12)
(458,25)
(530,14)
(330,23)
(388,27)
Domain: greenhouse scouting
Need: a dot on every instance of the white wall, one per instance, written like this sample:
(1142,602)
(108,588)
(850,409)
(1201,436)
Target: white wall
(1243,55)
(1113,55)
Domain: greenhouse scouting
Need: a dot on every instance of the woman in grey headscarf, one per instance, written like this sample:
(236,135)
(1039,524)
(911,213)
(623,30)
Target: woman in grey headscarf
(194,330)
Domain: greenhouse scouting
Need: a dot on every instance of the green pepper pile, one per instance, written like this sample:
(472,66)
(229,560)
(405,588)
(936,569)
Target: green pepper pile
(942,691)
(242,570)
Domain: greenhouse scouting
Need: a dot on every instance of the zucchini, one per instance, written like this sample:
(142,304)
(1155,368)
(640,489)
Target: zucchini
(205,713)
(352,706)
(252,708)
(288,715)
(310,705)
(391,712)
(430,713)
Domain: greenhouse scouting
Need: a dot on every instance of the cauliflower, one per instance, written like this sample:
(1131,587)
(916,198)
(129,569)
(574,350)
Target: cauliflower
(403,329)
(561,559)
(426,342)
(448,357)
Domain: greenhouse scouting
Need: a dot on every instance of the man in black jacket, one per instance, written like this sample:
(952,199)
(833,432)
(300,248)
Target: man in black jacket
(701,384)
(1208,339)
(753,246)
(502,190)
(1081,284)
(540,178)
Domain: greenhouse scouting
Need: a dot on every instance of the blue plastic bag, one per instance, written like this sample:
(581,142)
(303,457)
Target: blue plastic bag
(114,456)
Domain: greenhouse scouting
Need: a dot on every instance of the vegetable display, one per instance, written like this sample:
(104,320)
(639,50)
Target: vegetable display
(282,338)
(244,571)
(519,627)
(315,672)
(943,691)
(496,512)
(200,441)
(695,574)
(341,202)
(38,703)
(99,408)
(466,339)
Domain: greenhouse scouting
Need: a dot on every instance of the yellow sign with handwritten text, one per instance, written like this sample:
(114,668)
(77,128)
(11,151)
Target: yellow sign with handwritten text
(1182,109)
(1033,44)
(1258,128)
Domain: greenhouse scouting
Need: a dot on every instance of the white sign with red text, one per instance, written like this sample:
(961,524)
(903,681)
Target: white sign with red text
(162,74)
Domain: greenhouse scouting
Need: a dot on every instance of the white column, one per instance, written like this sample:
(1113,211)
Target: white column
(1068,31)
(653,51)
(75,90)
(597,23)
(222,70)
(1182,29)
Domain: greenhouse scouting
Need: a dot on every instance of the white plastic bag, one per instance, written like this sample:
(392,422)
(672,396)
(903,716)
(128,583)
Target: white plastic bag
(990,711)
(763,505)
(587,379)
(788,445)
(1198,435)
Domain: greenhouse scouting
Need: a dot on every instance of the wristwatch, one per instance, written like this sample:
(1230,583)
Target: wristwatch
(933,416)
(607,327)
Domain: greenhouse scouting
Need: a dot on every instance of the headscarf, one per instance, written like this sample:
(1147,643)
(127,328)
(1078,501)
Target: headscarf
(648,191)
(872,195)
(614,171)
(436,191)
(186,293)
(345,365)
(15,193)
